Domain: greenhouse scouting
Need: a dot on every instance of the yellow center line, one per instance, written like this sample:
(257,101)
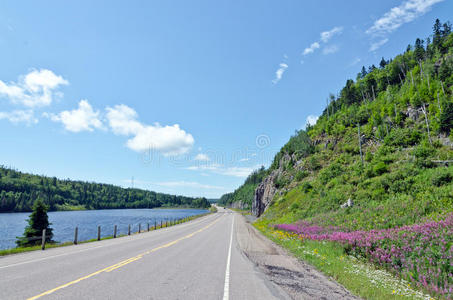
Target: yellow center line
(122,263)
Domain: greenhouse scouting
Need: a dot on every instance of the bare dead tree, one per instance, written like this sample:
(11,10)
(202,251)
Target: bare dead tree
(438,103)
(427,124)
(360,143)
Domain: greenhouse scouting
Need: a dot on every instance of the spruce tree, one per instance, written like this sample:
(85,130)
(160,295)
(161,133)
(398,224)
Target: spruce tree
(37,221)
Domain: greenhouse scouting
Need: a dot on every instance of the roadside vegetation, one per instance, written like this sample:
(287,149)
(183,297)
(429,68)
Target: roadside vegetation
(369,186)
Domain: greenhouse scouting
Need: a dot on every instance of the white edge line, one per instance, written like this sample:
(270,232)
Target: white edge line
(226,289)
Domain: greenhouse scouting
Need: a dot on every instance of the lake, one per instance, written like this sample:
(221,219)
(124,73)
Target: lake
(64,222)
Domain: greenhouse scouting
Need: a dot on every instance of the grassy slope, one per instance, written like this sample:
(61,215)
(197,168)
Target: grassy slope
(398,184)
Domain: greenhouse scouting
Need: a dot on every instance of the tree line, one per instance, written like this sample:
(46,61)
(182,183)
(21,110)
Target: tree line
(19,191)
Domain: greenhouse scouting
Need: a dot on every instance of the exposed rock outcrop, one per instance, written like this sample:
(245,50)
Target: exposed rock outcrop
(239,205)
(264,193)
(266,190)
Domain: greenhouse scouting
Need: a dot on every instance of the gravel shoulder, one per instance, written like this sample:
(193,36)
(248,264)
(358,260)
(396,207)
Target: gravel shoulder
(298,279)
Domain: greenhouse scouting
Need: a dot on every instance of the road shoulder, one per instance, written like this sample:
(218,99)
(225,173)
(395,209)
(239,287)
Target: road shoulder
(298,279)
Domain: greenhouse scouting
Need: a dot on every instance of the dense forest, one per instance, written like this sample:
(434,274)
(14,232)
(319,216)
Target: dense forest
(19,191)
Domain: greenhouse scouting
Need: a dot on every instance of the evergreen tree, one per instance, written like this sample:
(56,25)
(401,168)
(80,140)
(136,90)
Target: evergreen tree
(446,29)
(446,118)
(383,63)
(437,34)
(37,221)
(419,51)
(363,72)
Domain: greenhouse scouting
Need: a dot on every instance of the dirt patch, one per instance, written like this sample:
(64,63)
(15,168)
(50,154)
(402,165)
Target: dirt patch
(298,279)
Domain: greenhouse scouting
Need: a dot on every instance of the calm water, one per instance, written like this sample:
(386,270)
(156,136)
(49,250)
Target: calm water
(64,222)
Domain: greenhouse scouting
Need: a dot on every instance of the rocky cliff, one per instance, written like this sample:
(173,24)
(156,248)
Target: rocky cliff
(267,189)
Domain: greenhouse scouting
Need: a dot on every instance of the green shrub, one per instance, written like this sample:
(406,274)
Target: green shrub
(441,177)
(294,206)
(313,163)
(330,172)
(306,187)
(403,137)
(380,168)
(368,156)
(301,175)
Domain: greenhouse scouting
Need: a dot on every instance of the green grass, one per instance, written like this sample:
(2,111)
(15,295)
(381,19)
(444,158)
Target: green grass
(359,277)
(57,245)
(69,207)
(242,211)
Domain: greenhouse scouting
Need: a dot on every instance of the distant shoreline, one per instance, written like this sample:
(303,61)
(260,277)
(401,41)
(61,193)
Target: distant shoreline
(82,209)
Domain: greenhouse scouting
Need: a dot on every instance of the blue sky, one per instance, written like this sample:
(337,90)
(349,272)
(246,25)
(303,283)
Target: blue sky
(186,97)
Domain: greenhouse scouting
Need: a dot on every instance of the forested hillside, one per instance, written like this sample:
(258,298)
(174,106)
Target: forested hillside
(18,192)
(243,196)
(385,143)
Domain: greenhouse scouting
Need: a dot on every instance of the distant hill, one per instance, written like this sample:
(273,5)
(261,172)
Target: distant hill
(18,192)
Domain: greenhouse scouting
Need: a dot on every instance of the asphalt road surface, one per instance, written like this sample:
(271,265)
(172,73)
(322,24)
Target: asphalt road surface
(219,256)
(195,260)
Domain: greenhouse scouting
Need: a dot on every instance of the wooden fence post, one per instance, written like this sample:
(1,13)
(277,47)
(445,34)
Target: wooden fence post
(148,226)
(129,230)
(43,240)
(99,233)
(155,224)
(76,232)
(139,227)
(114,232)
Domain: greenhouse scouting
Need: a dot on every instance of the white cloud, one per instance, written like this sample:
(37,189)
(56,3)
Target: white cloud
(311,120)
(312,48)
(327,35)
(404,13)
(376,45)
(237,171)
(170,140)
(355,61)
(202,157)
(244,159)
(83,118)
(122,120)
(279,72)
(330,49)
(19,116)
(205,167)
(35,89)
(189,184)
(241,172)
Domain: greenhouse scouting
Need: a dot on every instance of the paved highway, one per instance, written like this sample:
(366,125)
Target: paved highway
(195,260)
